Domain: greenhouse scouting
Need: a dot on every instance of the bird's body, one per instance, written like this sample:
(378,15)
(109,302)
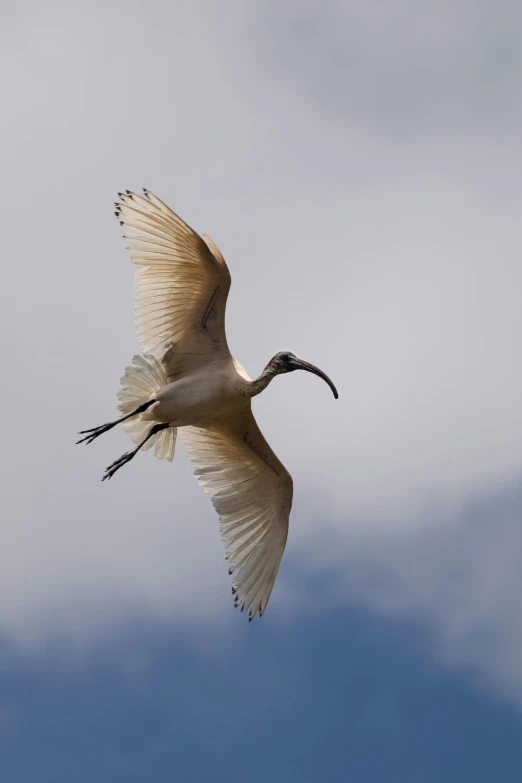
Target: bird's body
(207,392)
(188,383)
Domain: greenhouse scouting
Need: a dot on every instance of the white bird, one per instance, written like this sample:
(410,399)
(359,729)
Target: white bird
(188,383)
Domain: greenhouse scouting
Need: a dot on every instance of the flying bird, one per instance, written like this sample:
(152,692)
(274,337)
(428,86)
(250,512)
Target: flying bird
(187,383)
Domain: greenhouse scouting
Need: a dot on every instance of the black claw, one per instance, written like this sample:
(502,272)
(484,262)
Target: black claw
(88,439)
(117,464)
(93,433)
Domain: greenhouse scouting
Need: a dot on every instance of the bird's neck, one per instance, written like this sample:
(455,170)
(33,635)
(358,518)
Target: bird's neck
(259,384)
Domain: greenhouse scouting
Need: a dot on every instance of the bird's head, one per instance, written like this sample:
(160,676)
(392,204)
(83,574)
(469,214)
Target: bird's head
(286,361)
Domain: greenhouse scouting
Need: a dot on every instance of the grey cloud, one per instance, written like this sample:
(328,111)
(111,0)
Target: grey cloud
(402,66)
(459,575)
(394,267)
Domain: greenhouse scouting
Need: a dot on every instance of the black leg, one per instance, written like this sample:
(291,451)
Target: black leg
(95,432)
(121,461)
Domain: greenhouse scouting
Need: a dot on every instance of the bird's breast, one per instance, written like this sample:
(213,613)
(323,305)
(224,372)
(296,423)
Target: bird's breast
(200,396)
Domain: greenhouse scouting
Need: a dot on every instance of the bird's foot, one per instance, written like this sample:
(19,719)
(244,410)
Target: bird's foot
(94,433)
(117,464)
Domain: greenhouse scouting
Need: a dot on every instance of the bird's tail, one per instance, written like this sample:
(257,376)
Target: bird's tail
(141,381)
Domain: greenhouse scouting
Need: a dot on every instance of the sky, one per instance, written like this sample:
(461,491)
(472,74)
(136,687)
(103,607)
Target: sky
(359,166)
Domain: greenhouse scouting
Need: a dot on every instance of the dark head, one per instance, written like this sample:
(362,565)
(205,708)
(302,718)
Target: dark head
(286,361)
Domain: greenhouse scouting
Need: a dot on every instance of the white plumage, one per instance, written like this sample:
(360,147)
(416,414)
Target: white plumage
(188,384)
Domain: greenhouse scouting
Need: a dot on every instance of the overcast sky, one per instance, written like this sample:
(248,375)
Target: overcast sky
(359,166)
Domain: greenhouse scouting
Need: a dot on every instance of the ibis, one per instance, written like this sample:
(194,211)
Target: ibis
(186,383)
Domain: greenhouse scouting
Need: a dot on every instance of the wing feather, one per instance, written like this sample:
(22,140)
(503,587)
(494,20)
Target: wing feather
(252,492)
(181,283)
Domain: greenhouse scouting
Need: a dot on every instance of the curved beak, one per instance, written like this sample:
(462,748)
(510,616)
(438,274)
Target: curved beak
(299,364)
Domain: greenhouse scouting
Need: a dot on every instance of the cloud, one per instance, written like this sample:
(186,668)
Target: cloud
(401,68)
(458,574)
(361,173)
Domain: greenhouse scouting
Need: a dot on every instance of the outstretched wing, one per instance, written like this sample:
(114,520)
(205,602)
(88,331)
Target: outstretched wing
(181,284)
(252,492)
